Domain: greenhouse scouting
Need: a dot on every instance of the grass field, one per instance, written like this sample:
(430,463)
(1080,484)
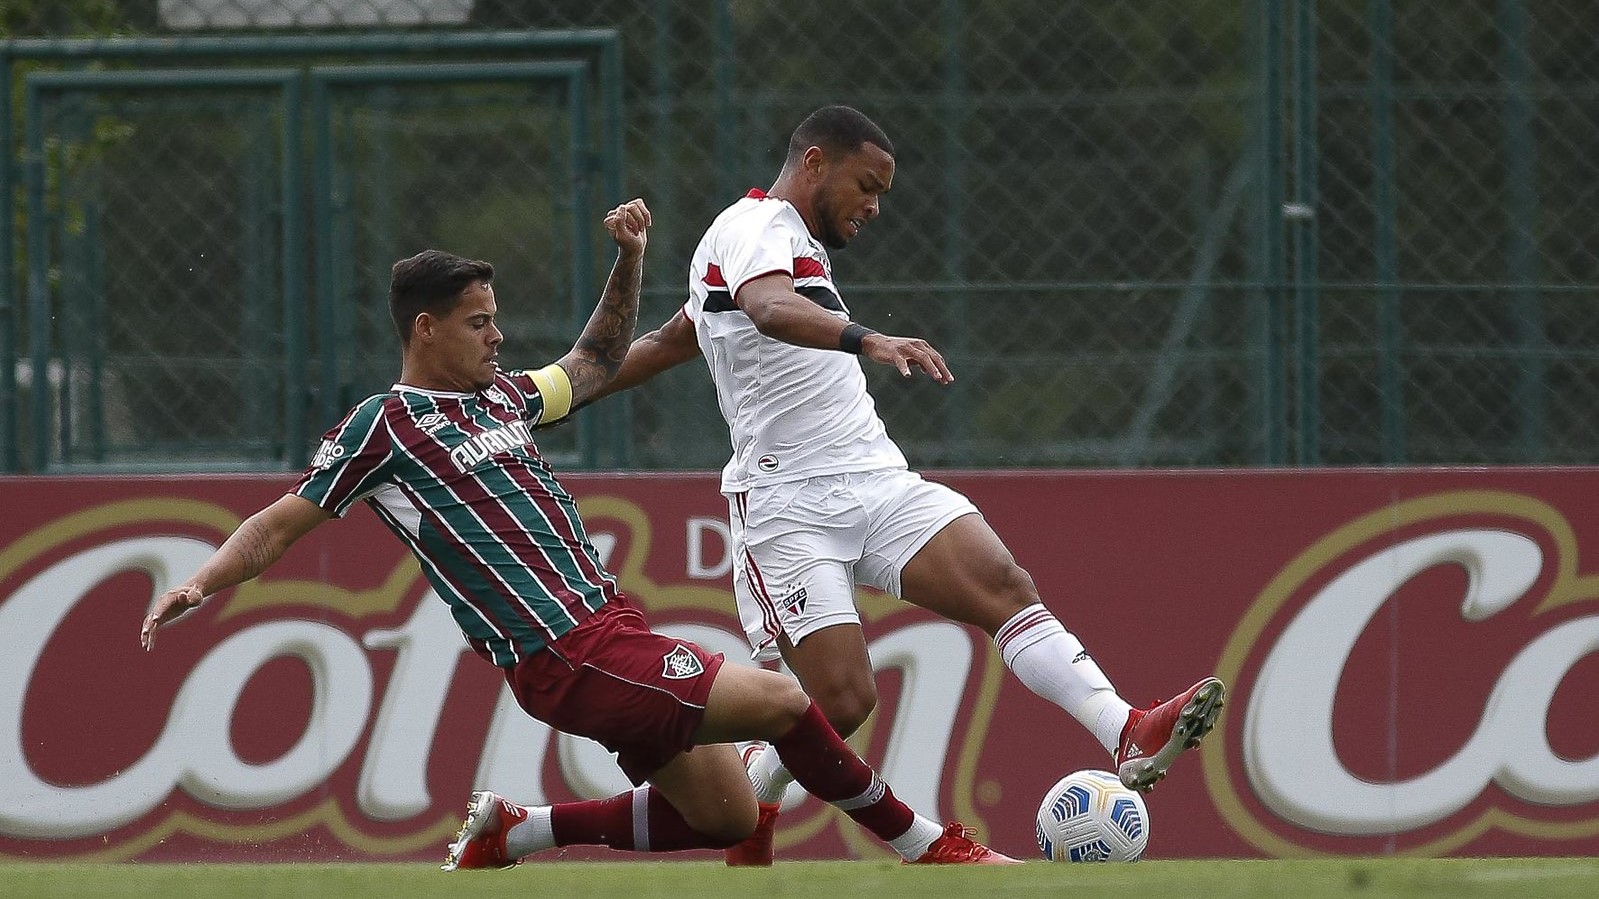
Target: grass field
(1379,877)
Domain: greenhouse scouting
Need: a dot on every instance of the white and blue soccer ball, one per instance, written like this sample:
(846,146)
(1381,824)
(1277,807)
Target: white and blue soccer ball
(1089,816)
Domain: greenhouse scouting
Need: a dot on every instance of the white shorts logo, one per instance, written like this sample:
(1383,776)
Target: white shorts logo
(681,664)
(767,463)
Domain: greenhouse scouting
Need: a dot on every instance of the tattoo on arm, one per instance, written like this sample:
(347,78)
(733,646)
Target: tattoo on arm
(255,551)
(599,351)
(249,551)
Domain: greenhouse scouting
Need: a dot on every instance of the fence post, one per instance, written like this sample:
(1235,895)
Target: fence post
(956,154)
(10,310)
(1267,264)
(1302,215)
(1521,202)
(1390,324)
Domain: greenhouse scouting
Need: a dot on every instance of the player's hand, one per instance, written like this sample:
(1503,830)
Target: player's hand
(629,224)
(905,354)
(168,607)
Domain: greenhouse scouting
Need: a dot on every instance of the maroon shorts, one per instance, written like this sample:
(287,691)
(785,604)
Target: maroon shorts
(639,694)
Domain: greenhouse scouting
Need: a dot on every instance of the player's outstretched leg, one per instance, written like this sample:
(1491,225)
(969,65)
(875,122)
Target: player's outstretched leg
(481,841)
(757,851)
(1154,737)
(828,769)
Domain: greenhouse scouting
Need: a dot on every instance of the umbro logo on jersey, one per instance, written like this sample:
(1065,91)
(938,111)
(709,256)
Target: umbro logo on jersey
(1082,656)
(767,463)
(431,422)
(681,664)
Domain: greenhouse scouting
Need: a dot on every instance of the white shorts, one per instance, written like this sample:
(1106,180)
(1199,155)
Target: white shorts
(800,548)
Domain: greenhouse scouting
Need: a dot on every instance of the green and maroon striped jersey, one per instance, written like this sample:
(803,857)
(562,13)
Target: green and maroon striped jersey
(457,477)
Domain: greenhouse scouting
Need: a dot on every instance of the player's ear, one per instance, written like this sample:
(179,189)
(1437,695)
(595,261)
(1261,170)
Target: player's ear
(423,326)
(814,160)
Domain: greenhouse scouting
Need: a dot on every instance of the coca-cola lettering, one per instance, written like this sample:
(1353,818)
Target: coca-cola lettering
(1287,738)
(195,753)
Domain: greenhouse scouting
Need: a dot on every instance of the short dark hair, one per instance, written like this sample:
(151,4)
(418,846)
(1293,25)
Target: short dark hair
(432,281)
(840,129)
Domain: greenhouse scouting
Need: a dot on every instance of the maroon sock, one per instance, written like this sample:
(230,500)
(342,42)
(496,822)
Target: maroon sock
(828,769)
(616,822)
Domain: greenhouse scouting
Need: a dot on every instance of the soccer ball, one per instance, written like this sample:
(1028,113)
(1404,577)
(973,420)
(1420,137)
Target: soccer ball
(1088,816)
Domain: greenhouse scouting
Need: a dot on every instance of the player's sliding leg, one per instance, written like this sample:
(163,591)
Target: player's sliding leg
(748,702)
(497,833)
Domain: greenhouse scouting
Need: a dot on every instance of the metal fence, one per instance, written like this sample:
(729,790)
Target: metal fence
(1162,233)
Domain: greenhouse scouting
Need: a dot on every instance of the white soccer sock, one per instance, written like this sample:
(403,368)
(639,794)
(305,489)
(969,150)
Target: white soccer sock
(913,843)
(530,836)
(1051,662)
(768,776)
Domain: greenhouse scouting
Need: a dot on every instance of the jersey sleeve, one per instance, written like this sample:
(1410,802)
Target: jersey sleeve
(763,243)
(351,462)
(546,393)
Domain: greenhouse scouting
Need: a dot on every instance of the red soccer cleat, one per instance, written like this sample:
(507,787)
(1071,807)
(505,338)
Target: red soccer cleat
(481,841)
(956,847)
(756,850)
(1154,737)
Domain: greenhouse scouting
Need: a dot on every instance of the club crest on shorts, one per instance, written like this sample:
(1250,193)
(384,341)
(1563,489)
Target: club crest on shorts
(794,602)
(681,664)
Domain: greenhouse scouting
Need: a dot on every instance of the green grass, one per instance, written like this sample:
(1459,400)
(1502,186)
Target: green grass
(1378,877)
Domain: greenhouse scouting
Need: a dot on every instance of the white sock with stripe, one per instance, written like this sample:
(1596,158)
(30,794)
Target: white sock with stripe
(768,776)
(530,836)
(1051,662)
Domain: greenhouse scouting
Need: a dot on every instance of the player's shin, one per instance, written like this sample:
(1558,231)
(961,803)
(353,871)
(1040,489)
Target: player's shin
(828,769)
(640,820)
(1051,661)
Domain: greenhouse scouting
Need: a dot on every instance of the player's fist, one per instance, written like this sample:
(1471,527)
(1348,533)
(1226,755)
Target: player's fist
(629,225)
(167,607)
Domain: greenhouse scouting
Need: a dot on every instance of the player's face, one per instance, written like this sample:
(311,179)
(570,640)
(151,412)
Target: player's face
(465,342)
(846,198)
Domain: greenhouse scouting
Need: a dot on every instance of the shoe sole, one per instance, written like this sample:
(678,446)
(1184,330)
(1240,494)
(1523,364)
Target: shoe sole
(478,814)
(1195,720)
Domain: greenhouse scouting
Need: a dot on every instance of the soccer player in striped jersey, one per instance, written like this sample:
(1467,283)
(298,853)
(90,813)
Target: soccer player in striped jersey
(821,499)
(446,459)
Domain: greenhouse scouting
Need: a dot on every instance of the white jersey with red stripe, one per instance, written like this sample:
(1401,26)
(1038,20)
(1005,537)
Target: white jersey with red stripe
(792,412)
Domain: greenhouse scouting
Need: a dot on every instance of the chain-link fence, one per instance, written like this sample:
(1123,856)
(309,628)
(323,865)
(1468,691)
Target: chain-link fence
(1157,233)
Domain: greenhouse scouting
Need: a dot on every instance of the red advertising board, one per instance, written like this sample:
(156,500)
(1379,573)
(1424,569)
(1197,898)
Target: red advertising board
(1412,658)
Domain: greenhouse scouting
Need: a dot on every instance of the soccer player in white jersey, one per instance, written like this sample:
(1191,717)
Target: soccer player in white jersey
(820,499)
(446,459)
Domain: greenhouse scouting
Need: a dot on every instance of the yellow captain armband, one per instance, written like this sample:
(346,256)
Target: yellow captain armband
(555,386)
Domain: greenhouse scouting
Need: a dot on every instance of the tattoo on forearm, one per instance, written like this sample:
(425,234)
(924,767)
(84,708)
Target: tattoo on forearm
(603,345)
(254,550)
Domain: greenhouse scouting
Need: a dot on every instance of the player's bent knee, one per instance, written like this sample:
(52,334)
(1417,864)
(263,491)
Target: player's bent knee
(847,705)
(789,701)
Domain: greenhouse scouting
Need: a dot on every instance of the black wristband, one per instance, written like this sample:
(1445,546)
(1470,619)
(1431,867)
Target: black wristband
(849,340)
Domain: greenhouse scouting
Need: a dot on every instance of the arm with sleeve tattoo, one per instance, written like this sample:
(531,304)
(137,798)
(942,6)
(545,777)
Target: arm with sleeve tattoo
(598,354)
